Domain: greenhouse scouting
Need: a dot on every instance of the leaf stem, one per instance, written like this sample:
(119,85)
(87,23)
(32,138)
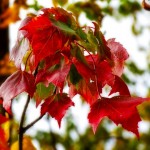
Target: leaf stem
(21,129)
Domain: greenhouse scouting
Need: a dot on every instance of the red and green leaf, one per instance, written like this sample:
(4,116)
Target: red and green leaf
(42,92)
(46,38)
(83,69)
(57,77)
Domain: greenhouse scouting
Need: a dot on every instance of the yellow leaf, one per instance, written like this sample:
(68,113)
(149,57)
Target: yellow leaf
(27,144)
(6,127)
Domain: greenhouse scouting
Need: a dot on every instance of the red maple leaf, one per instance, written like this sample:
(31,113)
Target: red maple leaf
(104,73)
(72,91)
(17,83)
(52,60)
(88,90)
(120,86)
(56,58)
(84,70)
(45,38)
(57,106)
(119,55)
(120,109)
(102,70)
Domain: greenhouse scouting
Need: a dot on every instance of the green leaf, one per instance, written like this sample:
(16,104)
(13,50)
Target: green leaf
(88,46)
(62,26)
(80,56)
(81,34)
(92,39)
(75,77)
(44,92)
(134,69)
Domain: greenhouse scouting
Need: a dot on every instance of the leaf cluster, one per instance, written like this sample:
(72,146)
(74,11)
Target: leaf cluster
(53,51)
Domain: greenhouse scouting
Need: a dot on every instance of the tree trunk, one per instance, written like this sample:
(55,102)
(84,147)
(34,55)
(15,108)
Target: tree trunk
(4,39)
(4,46)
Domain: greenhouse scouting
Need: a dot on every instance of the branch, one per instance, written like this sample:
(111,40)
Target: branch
(32,123)
(21,129)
